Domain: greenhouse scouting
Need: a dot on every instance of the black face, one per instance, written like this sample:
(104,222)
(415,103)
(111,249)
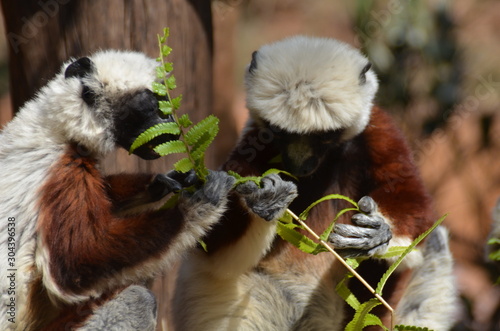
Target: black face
(133,114)
(303,154)
(136,113)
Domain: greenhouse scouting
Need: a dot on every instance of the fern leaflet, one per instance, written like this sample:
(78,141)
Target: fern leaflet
(305,213)
(184,121)
(183,165)
(305,244)
(346,294)
(170,147)
(153,132)
(197,131)
(363,318)
(415,242)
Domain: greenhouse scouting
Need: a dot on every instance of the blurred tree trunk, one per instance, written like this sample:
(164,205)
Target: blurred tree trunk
(42,34)
(225,16)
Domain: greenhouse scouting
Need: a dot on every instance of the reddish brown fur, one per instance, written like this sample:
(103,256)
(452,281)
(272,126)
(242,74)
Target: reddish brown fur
(400,192)
(377,163)
(86,242)
(123,186)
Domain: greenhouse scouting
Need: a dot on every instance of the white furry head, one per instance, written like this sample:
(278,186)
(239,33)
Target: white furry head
(304,84)
(98,102)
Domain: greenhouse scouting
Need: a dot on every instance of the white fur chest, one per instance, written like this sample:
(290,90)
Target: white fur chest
(23,173)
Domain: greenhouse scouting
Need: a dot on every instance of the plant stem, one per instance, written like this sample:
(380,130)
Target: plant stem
(355,274)
(174,111)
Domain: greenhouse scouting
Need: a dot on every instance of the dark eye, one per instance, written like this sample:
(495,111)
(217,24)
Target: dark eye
(88,96)
(362,75)
(253,64)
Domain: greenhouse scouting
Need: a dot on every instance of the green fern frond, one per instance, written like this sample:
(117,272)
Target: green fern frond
(184,121)
(200,169)
(198,150)
(363,318)
(165,50)
(160,72)
(345,293)
(166,33)
(286,218)
(305,213)
(183,165)
(257,179)
(171,82)
(410,248)
(176,102)
(287,232)
(153,132)
(168,67)
(278,171)
(329,229)
(170,147)
(241,180)
(166,107)
(209,123)
(159,89)
(171,202)
(393,252)
(235,174)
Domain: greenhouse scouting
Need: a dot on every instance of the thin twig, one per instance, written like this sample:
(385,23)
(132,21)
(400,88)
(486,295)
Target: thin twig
(355,274)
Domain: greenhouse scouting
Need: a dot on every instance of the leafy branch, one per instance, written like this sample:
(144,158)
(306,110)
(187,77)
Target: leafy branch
(323,246)
(193,139)
(362,316)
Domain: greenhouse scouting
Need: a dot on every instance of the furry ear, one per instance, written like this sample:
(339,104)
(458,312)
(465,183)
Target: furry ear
(253,64)
(80,68)
(362,75)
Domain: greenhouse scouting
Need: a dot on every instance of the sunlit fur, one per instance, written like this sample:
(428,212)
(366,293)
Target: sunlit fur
(311,84)
(250,279)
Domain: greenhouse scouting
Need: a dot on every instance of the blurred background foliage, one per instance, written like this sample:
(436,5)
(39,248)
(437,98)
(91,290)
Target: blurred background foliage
(415,52)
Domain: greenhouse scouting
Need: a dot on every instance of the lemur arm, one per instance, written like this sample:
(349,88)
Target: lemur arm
(84,248)
(397,209)
(248,228)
